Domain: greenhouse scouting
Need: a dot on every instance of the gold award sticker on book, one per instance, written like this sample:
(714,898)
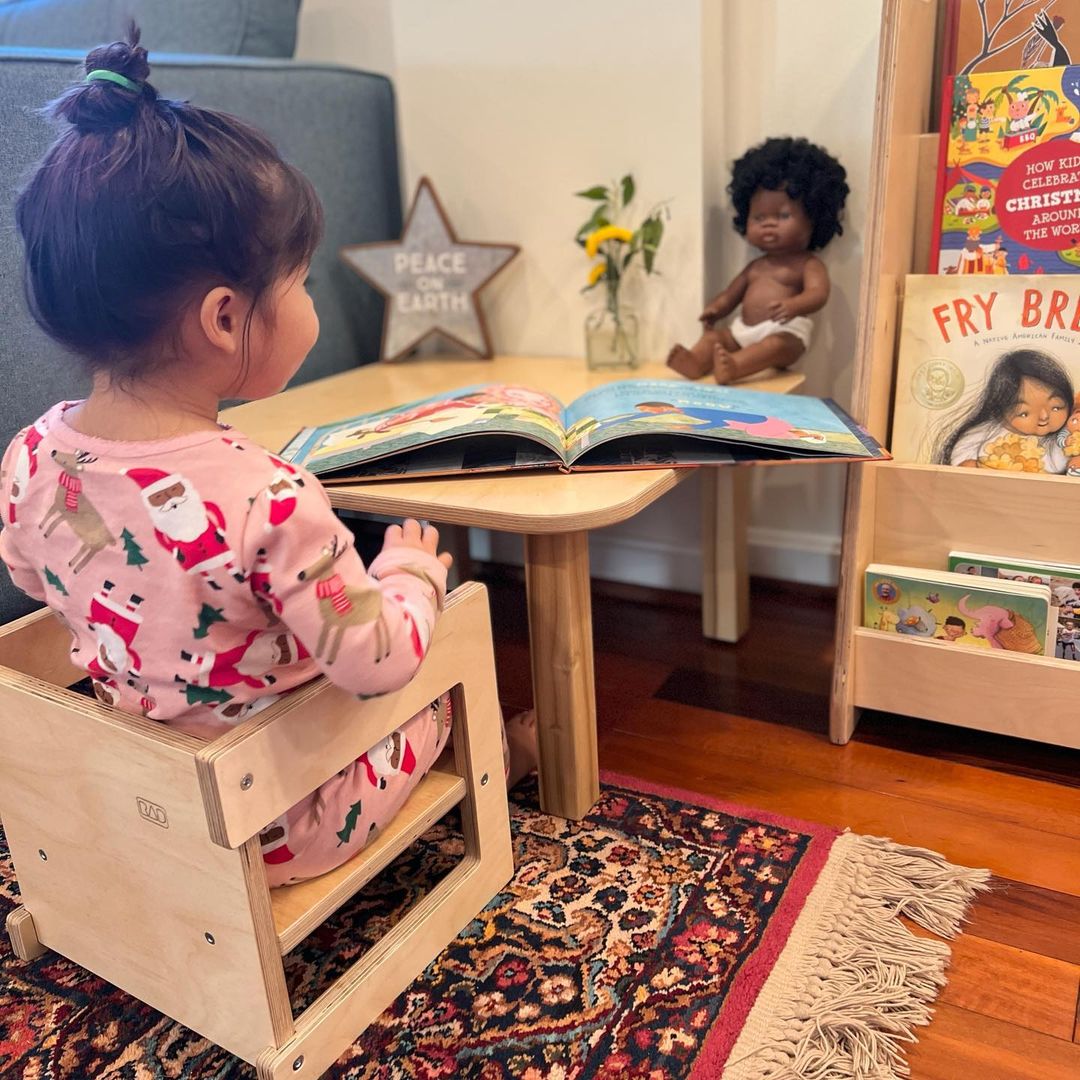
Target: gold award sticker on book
(937,384)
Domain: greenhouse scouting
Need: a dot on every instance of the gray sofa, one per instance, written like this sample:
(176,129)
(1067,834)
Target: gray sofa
(336,124)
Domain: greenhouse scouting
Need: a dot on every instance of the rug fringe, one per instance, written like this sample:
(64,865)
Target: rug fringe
(858,982)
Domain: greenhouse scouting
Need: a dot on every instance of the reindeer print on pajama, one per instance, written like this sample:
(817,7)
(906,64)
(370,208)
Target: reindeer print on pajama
(200,584)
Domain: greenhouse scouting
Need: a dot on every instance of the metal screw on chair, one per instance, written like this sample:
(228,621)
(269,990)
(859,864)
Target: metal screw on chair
(246,781)
(42,856)
(484,780)
(209,938)
(298,1063)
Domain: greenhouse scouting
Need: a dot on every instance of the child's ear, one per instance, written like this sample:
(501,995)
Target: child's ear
(221,319)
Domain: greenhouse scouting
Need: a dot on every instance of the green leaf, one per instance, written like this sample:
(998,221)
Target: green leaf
(597,192)
(626,262)
(652,232)
(598,220)
(627,189)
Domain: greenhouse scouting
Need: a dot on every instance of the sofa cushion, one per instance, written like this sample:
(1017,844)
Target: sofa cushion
(225,27)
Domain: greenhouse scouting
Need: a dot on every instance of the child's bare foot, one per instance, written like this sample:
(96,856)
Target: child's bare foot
(723,366)
(521,738)
(682,360)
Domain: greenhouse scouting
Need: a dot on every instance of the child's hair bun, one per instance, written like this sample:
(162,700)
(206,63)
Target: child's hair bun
(101,105)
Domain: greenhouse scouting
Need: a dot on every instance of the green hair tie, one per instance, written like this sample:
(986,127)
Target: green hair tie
(114,77)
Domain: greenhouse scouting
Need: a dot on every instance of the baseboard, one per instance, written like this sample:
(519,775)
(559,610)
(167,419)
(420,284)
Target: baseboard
(780,554)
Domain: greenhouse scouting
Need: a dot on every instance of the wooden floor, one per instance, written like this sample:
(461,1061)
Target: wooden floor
(747,723)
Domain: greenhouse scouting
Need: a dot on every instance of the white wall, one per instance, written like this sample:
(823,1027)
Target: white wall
(510,106)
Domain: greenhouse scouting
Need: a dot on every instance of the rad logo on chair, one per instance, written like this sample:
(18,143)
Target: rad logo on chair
(152,812)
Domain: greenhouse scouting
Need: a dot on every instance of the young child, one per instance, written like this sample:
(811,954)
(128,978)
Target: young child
(201,577)
(1014,424)
(788,195)
(1069,440)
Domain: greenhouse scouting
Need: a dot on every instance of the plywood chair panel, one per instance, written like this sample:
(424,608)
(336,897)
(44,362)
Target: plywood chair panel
(115,864)
(137,855)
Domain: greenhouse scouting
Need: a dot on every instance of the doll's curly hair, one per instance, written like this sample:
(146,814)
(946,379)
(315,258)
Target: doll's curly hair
(806,172)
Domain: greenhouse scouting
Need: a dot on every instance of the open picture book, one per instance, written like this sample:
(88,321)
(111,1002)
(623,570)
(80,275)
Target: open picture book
(631,424)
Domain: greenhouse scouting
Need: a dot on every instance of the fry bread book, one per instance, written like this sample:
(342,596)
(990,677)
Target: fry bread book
(989,372)
(632,424)
(1008,184)
(960,609)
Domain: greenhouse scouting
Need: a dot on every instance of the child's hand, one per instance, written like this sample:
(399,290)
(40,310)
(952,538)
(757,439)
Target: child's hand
(711,314)
(410,534)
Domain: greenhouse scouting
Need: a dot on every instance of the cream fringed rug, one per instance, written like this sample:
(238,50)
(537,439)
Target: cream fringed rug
(853,983)
(666,936)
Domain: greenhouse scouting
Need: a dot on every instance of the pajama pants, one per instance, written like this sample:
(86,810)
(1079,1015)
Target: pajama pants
(340,817)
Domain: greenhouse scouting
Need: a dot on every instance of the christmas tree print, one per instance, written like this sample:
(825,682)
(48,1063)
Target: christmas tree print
(207,617)
(55,582)
(205,695)
(134,554)
(351,819)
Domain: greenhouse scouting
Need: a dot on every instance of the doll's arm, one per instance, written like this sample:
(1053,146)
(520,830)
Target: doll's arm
(815,292)
(726,302)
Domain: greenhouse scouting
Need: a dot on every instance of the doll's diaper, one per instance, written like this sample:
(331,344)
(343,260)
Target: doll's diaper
(800,326)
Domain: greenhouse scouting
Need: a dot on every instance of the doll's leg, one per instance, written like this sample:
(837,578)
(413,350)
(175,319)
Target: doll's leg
(776,351)
(697,361)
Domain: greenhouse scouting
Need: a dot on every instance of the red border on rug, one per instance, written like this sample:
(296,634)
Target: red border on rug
(752,975)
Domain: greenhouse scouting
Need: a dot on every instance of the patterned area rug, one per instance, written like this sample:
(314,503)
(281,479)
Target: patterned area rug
(666,936)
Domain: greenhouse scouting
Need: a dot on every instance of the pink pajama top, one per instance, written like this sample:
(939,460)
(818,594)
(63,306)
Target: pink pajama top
(201,577)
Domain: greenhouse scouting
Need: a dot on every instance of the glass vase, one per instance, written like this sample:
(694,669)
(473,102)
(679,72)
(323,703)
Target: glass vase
(611,337)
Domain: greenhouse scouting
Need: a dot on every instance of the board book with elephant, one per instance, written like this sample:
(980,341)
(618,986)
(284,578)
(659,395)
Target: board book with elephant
(960,609)
(988,373)
(629,424)
(1063,580)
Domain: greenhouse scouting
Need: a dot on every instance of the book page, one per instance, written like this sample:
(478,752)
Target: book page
(480,411)
(635,407)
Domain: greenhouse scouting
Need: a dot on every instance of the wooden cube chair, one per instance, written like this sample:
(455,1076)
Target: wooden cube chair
(137,854)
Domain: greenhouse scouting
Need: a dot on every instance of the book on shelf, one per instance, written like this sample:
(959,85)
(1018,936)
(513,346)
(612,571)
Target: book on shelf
(1062,579)
(982,35)
(630,424)
(960,609)
(988,373)
(1008,176)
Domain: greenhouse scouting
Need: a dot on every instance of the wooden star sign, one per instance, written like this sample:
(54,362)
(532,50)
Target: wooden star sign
(430,279)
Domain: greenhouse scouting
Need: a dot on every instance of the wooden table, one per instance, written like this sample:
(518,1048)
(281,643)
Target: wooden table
(553,512)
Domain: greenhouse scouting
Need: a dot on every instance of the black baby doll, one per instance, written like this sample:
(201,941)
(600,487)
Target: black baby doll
(788,196)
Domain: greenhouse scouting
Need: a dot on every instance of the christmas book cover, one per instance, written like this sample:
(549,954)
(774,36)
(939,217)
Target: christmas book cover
(1008,181)
(960,609)
(988,373)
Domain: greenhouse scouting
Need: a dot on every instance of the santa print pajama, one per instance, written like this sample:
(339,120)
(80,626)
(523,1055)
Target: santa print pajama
(202,577)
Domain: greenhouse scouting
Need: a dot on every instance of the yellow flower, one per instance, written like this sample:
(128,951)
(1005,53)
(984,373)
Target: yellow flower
(596,271)
(608,232)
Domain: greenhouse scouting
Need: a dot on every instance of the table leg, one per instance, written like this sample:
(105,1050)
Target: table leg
(725,597)
(564,688)
(455,539)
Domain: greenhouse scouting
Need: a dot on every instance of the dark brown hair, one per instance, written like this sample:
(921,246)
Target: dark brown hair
(144,204)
